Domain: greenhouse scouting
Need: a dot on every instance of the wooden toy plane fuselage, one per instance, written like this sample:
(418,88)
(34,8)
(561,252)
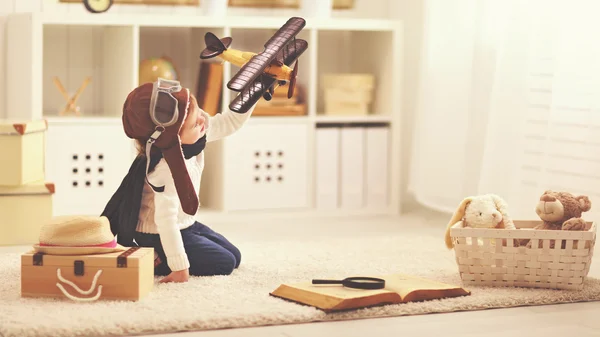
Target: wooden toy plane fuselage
(239,58)
(260,73)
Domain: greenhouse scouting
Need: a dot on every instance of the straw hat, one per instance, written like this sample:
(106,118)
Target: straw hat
(77,235)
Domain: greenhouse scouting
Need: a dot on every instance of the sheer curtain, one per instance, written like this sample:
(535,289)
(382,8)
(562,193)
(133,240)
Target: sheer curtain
(508,102)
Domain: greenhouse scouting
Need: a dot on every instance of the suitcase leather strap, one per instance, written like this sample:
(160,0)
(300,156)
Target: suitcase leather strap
(122,259)
(38,260)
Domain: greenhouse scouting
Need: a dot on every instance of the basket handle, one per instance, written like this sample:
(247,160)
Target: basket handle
(82,292)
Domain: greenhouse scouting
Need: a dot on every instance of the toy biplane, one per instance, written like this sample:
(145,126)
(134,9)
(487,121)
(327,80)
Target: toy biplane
(260,74)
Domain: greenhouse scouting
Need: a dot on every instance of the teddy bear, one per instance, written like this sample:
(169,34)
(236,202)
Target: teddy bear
(481,211)
(561,211)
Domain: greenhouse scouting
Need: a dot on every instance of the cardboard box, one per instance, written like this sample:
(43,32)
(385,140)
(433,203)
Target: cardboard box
(22,151)
(127,275)
(23,211)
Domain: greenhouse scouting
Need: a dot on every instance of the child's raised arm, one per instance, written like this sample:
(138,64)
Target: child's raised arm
(224,124)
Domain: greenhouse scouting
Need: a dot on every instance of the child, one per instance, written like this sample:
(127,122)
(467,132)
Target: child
(157,201)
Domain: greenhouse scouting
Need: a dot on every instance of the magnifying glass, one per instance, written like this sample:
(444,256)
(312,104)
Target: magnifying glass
(356,282)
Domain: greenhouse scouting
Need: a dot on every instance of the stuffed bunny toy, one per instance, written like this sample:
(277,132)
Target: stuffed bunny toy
(482,211)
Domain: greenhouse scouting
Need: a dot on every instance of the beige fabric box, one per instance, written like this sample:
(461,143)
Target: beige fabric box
(127,275)
(23,211)
(352,81)
(22,151)
(347,94)
(340,101)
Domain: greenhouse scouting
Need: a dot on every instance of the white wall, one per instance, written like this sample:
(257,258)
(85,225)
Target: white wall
(411,13)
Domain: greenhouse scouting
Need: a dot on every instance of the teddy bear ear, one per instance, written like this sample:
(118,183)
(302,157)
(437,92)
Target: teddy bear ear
(584,203)
(548,192)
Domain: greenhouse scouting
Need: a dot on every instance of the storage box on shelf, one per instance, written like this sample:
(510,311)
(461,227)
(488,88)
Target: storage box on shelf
(484,260)
(41,46)
(22,151)
(348,94)
(25,194)
(24,209)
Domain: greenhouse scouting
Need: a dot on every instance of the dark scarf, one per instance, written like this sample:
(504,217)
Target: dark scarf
(123,208)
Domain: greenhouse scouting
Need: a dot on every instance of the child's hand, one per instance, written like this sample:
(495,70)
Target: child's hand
(177,276)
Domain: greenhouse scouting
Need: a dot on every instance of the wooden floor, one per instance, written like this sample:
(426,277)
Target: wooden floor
(566,320)
(569,320)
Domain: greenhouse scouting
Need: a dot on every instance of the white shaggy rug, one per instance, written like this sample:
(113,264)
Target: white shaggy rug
(242,299)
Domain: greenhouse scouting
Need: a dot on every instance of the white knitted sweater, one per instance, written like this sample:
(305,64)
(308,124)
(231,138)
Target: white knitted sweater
(161,212)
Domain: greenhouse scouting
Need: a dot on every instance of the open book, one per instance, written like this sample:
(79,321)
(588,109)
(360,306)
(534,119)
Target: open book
(398,289)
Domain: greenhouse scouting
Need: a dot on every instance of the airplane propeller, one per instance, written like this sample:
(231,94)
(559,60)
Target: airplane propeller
(214,46)
(293,80)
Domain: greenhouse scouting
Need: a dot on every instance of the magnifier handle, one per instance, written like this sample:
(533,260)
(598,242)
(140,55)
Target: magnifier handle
(327,282)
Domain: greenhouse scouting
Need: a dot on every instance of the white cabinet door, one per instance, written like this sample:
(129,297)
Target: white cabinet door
(265,167)
(86,162)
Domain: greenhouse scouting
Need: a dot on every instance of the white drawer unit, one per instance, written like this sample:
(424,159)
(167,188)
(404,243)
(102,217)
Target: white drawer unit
(87,162)
(266,167)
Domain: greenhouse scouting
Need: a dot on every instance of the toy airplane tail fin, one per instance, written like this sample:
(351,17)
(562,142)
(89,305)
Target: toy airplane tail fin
(214,46)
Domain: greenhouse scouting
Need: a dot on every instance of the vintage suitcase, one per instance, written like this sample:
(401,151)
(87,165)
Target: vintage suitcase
(22,151)
(23,211)
(126,275)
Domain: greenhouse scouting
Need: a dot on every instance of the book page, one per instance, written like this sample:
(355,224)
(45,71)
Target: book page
(400,284)
(403,285)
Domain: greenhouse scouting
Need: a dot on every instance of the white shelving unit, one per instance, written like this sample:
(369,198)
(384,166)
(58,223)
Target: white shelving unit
(109,47)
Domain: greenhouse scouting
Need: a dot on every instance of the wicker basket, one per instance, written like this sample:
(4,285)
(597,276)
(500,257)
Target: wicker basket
(493,257)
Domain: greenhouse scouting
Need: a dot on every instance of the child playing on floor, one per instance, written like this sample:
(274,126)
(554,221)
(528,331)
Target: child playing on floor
(157,201)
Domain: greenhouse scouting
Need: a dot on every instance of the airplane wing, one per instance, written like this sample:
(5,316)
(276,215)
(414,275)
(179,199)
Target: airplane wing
(257,64)
(292,52)
(249,96)
(290,29)
(250,71)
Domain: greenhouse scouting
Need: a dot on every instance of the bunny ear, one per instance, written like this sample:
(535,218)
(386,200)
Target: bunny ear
(501,205)
(458,214)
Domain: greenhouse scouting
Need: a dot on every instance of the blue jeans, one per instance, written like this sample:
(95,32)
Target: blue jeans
(209,253)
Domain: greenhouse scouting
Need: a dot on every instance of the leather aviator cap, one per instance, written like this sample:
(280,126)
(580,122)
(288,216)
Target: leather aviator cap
(138,124)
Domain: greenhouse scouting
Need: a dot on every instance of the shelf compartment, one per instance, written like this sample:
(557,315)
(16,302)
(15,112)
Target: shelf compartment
(105,54)
(182,46)
(357,52)
(253,40)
